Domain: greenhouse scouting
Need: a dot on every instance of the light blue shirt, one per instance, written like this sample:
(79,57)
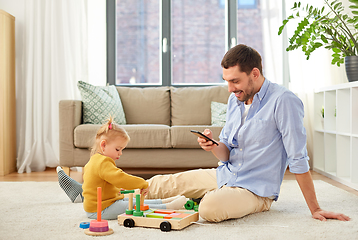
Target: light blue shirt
(272,137)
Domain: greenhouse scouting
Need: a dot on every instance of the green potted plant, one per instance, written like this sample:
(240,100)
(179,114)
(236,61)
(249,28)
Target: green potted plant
(330,27)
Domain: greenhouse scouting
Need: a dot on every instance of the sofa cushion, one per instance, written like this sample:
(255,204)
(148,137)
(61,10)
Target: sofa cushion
(100,103)
(162,160)
(148,136)
(183,138)
(192,105)
(142,136)
(146,105)
(218,114)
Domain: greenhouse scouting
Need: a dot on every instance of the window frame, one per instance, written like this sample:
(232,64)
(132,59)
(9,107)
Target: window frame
(111,41)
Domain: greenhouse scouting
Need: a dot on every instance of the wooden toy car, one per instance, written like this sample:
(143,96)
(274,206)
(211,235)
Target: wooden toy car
(166,220)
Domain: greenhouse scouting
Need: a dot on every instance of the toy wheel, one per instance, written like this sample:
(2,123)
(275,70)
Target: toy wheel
(165,226)
(128,223)
(189,205)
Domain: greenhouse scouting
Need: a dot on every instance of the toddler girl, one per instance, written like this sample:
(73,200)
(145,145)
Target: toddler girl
(101,171)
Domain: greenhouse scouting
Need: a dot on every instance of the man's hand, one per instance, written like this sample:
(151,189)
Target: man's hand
(221,152)
(205,144)
(324,215)
(306,184)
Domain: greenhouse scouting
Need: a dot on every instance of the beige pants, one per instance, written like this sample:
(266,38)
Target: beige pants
(191,184)
(218,204)
(231,202)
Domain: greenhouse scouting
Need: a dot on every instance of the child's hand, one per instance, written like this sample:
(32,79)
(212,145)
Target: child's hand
(145,191)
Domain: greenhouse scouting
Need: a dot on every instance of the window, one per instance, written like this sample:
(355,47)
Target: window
(163,42)
(177,42)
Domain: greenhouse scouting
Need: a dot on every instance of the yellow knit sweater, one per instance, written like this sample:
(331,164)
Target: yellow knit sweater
(101,171)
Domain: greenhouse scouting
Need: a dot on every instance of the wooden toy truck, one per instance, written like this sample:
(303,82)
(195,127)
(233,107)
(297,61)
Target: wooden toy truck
(166,222)
(164,219)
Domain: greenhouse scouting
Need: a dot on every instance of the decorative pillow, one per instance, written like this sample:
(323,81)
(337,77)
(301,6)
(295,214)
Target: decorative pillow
(218,114)
(99,103)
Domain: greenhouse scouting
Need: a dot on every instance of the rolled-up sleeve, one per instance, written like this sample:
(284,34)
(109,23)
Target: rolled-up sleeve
(289,119)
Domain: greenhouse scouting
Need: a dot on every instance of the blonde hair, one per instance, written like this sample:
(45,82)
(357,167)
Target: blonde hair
(109,131)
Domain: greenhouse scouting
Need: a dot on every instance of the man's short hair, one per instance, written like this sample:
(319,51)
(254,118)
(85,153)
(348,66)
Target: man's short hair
(243,56)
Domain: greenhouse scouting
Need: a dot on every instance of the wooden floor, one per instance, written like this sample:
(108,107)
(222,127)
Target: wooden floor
(50,175)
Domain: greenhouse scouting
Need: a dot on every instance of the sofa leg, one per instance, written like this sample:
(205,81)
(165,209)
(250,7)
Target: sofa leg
(66,170)
(82,170)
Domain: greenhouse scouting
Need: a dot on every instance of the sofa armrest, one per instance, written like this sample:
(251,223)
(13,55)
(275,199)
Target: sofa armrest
(70,116)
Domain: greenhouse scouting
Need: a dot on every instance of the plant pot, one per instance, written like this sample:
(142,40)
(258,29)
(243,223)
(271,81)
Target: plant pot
(351,63)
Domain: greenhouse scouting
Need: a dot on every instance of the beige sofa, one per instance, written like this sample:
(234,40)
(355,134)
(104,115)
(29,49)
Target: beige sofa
(159,120)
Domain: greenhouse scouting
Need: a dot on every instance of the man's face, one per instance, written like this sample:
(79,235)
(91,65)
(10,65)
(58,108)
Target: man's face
(239,83)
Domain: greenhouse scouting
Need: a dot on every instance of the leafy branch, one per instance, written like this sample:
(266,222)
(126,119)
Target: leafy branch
(333,29)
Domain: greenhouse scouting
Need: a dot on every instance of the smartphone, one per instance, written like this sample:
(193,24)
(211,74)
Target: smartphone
(199,134)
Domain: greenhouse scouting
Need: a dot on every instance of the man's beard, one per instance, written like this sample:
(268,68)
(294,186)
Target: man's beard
(250,91)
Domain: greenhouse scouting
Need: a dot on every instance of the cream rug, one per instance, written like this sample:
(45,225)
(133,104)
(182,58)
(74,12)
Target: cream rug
(41,210)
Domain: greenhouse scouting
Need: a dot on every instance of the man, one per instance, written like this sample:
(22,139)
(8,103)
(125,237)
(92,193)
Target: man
(263,134)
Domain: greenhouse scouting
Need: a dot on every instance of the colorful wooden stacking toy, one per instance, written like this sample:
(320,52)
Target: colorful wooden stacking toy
(137,212)
(99,227)
(143,207)
(129,211)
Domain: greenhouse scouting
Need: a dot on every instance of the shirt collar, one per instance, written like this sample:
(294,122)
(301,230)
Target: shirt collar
(263,90)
